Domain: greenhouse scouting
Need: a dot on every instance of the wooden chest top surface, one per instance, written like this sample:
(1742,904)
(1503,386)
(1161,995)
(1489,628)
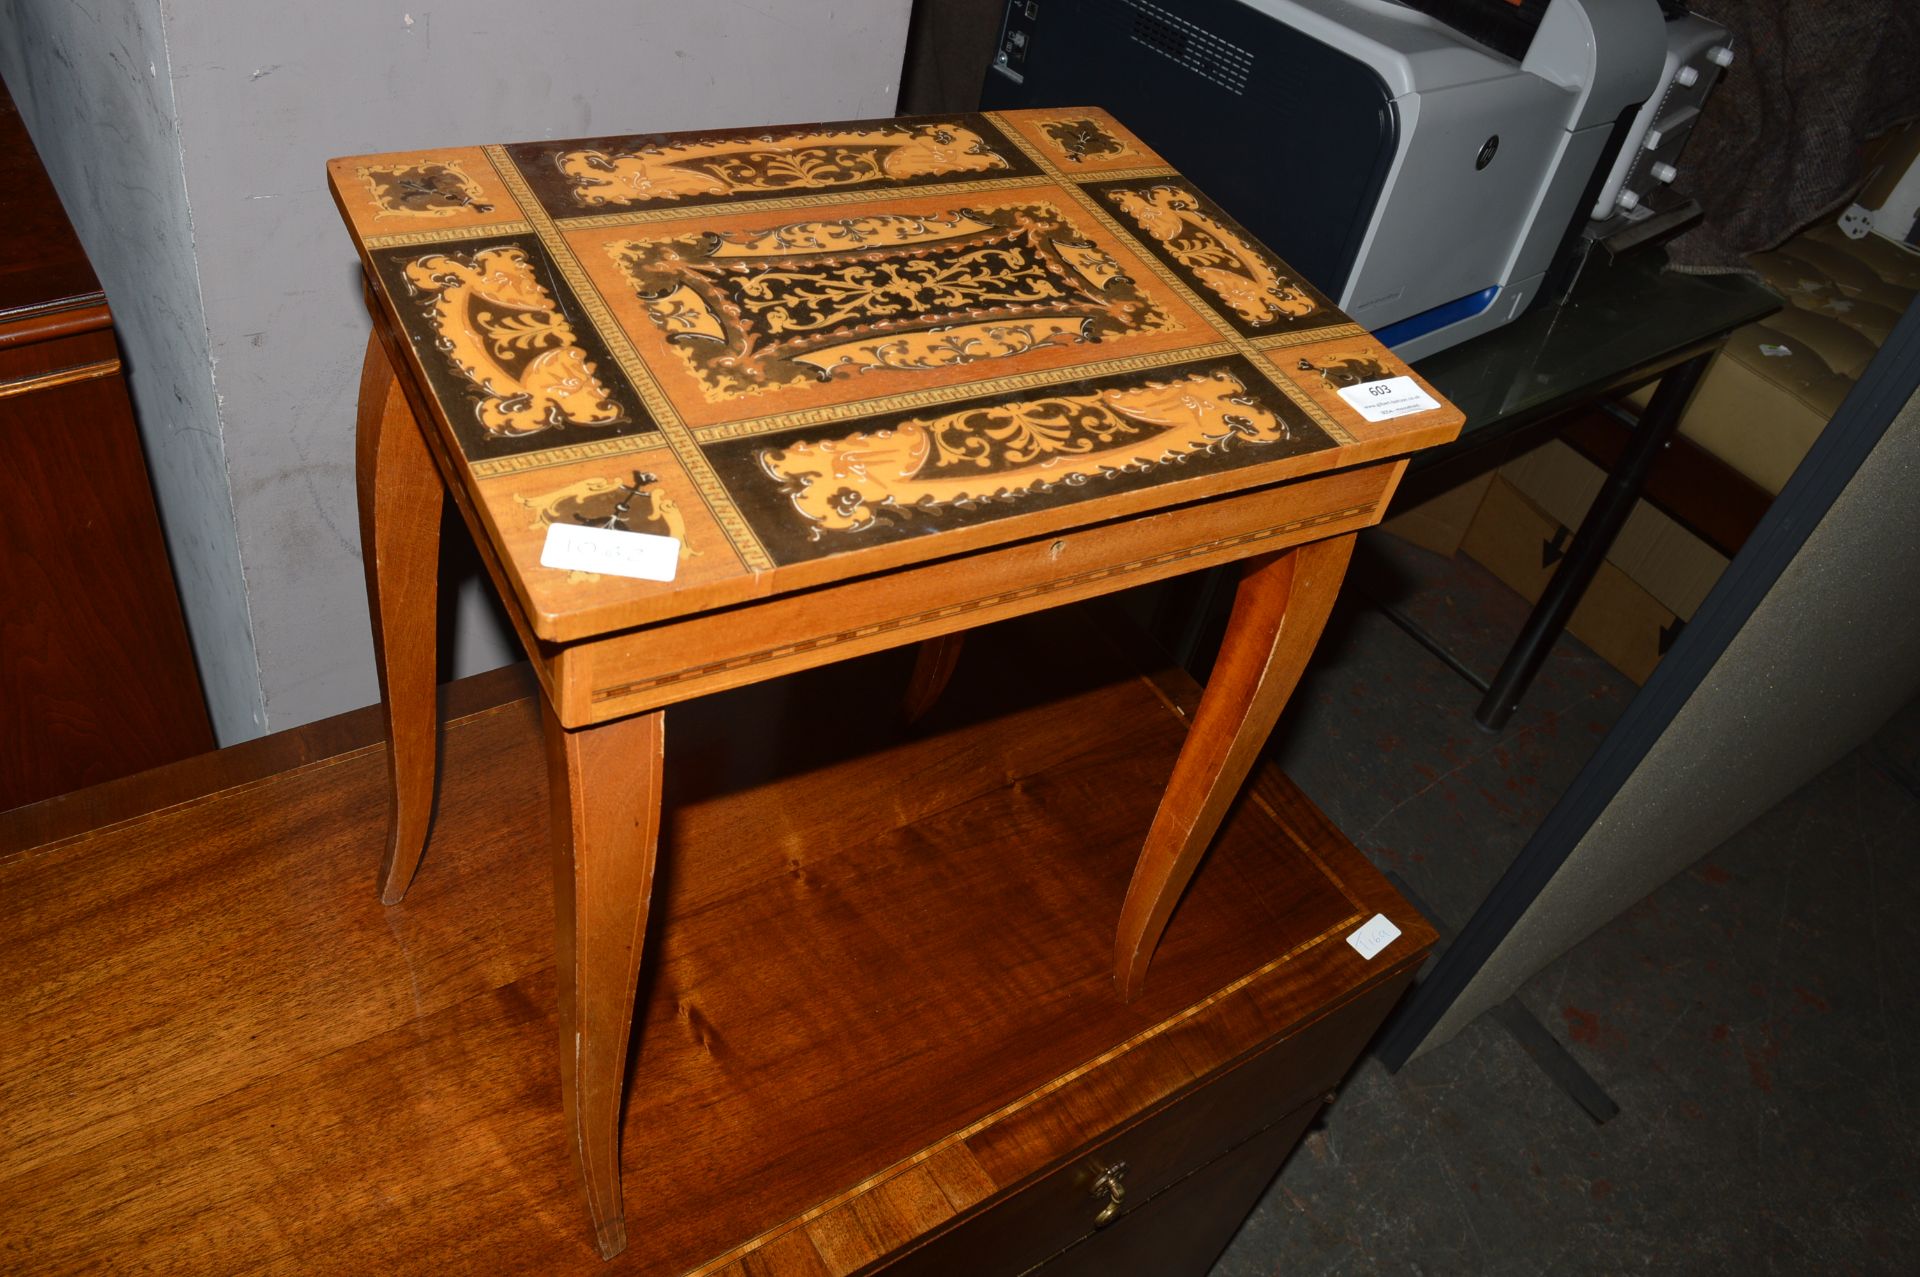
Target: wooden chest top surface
(820,351)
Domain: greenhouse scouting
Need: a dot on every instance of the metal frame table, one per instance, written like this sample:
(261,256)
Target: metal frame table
(1627,323)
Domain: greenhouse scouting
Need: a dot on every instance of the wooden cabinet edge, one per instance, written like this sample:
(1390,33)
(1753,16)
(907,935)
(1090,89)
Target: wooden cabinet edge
(1309,1091)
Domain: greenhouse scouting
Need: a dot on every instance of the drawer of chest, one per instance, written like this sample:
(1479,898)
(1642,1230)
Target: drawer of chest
(1182,1231)
(54,355)
(1100,1184)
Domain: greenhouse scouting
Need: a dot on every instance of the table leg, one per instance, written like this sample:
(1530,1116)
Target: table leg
(1278,613)
(1603,521)
(933,666)
(400,503)
(604,785)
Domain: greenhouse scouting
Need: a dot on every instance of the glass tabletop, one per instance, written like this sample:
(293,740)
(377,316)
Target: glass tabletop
(1627,320)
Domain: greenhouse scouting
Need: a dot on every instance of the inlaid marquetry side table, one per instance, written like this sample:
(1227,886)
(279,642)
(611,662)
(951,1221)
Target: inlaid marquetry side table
(719,406)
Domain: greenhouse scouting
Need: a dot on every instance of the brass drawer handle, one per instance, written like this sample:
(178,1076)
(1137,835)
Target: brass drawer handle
(1109,1186)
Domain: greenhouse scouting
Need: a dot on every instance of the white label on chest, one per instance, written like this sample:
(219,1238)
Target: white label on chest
(1394,397)
(1373,935)
(610,552)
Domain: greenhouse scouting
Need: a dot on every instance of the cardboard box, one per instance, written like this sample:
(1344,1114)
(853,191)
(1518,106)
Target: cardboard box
(1440,523)
(1521,544)
(1518,522)
(1656,553)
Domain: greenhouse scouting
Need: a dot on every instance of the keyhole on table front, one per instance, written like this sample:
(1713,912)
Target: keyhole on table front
(1057,549)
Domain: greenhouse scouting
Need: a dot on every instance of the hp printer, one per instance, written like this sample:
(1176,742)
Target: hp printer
(1430,164)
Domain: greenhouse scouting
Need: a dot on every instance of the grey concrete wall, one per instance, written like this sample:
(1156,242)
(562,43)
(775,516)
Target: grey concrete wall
(1823,661)
(93,80)
(263,95)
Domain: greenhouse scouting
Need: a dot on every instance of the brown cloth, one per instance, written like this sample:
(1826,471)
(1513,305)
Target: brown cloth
(950,44)
(1778,145)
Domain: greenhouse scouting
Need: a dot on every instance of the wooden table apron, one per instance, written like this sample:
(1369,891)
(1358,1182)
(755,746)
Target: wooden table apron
(605,692)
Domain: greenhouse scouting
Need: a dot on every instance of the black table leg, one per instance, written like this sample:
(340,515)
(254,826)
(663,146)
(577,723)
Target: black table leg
(1590,544)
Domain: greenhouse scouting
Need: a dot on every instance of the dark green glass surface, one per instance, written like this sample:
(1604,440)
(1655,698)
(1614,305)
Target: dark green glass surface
(1628,320)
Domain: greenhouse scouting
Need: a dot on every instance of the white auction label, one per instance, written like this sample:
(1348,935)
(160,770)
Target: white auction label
(1373,935)
(611,552)
(1394,397)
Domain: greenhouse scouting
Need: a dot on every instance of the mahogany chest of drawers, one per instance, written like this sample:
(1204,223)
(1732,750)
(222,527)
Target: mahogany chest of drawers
(96,679)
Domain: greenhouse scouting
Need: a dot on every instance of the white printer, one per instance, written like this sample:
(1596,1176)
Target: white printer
(1424,162)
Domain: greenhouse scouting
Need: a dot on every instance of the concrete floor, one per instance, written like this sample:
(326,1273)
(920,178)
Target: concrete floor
(1750,1017)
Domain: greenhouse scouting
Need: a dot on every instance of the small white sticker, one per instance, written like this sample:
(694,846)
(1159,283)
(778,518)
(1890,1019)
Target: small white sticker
(1394,397)
(1373,935)
(1775,352)
(610,551)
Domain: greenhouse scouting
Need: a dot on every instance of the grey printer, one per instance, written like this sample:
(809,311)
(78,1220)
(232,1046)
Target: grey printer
(1426,163)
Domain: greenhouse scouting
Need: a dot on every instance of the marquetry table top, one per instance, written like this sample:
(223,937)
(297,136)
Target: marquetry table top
(820,351)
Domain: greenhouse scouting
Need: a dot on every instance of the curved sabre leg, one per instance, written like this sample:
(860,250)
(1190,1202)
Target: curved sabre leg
(604,785)
(400,502)
(1278,613)
(933,666)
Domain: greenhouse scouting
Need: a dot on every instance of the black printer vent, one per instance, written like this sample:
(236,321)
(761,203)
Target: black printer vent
(1193,47)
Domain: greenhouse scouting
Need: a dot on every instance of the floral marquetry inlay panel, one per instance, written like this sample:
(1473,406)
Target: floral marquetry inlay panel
(500,328)
(778,162)
(1081,140)
(634,173)
(816,350)
(814,301)
(927,466)
(1250,284)
(440,189)
(527,369)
